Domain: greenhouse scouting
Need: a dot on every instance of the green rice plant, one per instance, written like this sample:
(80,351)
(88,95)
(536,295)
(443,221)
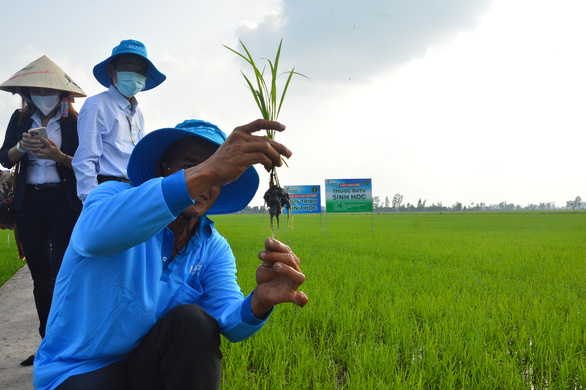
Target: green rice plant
(269,102)
(429,301)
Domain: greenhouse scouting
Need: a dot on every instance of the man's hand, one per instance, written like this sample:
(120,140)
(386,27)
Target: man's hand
(243,149)
(240,150)
(277,279)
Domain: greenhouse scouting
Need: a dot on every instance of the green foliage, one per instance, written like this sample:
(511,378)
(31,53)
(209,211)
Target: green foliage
(265,93)
(475,300)
(9,261)
(266,98)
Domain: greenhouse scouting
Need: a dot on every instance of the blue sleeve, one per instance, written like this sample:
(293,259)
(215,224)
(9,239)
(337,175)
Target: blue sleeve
(222,297)
(117,217)
(175,193)
(247,315)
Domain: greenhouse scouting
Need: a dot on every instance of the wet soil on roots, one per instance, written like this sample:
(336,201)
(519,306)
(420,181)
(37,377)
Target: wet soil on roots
(276,198)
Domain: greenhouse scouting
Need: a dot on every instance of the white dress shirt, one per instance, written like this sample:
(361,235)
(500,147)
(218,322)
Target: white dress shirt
(40,170)
(109,126)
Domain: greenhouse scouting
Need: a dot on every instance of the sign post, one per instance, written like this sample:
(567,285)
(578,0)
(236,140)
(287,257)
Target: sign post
(305,200)
(349,196)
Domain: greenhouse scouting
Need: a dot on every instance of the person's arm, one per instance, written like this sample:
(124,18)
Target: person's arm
(90,124)
(117,217)
(221,295)
(278,279)
(9,154)
(14,155)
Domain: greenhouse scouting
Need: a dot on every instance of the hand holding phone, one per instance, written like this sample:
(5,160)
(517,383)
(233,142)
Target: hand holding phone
(38,133)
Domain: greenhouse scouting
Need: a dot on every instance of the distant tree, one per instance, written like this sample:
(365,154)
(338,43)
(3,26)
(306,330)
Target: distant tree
(574,204)
(246,210)
(457,206)
(397,200)
(387,203)
(421,204)
(375,202)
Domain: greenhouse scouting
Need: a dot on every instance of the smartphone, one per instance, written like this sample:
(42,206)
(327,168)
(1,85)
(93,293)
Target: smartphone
(38,132)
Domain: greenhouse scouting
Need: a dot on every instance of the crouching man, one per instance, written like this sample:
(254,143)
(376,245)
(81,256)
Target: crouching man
(147,284)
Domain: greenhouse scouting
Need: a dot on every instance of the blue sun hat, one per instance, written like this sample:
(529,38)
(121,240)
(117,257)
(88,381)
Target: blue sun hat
(142,165)
(153,76)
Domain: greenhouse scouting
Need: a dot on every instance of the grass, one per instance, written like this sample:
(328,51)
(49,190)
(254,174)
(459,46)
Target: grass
(475,300)
(9,261)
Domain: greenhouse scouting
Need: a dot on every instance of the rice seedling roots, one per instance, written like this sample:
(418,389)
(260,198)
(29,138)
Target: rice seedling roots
(276,198)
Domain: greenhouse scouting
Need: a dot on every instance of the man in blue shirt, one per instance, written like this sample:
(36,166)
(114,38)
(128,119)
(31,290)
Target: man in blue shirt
(111,123)
(147,284)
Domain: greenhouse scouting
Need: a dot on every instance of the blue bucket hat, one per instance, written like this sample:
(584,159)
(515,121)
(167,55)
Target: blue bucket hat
(142,165)
(153,76)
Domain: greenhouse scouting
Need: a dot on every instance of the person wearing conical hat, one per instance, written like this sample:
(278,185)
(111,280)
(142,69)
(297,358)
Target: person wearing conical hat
(111,123)
(45,199)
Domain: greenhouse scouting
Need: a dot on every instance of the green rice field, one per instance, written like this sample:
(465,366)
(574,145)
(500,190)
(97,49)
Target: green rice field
(426,301)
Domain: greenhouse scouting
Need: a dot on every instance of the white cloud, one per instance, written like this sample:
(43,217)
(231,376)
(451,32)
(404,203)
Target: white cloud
(470,101)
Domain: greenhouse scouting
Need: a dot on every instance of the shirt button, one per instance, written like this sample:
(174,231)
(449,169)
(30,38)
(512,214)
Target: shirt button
(164,259)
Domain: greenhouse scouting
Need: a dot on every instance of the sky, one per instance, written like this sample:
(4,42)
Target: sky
(446,101)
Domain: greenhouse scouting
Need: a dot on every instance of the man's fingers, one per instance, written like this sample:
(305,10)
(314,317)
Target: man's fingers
(277,246)
(269,257)
(292,272)
(268,146)
(261,124)
(295,276)
(276,251)
(301,299)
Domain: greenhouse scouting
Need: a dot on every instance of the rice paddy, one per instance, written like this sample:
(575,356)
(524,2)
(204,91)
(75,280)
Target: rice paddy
(470,300)
(426,301)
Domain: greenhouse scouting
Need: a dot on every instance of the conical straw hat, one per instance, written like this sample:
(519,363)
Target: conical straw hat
(42,73)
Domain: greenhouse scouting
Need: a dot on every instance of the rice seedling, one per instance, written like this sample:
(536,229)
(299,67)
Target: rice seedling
(269,103)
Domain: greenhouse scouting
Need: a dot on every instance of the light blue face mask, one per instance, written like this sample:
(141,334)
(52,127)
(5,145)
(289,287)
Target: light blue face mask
(130,83)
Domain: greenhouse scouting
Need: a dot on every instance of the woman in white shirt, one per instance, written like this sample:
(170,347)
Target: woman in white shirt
(45,201)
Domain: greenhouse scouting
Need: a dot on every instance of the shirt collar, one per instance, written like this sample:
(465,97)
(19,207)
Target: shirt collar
(121,99)
(36,117)
(204,228)
(203,232)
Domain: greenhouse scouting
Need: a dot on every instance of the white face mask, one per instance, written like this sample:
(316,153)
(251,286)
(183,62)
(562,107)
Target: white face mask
(45,103)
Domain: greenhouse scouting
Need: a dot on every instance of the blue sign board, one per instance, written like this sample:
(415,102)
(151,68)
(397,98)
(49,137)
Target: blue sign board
(304,199)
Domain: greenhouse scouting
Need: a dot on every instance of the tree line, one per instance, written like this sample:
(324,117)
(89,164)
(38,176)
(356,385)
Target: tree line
(398,205)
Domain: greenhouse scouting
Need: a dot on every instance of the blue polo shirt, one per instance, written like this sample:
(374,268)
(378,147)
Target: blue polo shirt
(117,279)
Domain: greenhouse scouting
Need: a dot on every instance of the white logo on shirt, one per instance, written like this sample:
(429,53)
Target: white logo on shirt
(195,269)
